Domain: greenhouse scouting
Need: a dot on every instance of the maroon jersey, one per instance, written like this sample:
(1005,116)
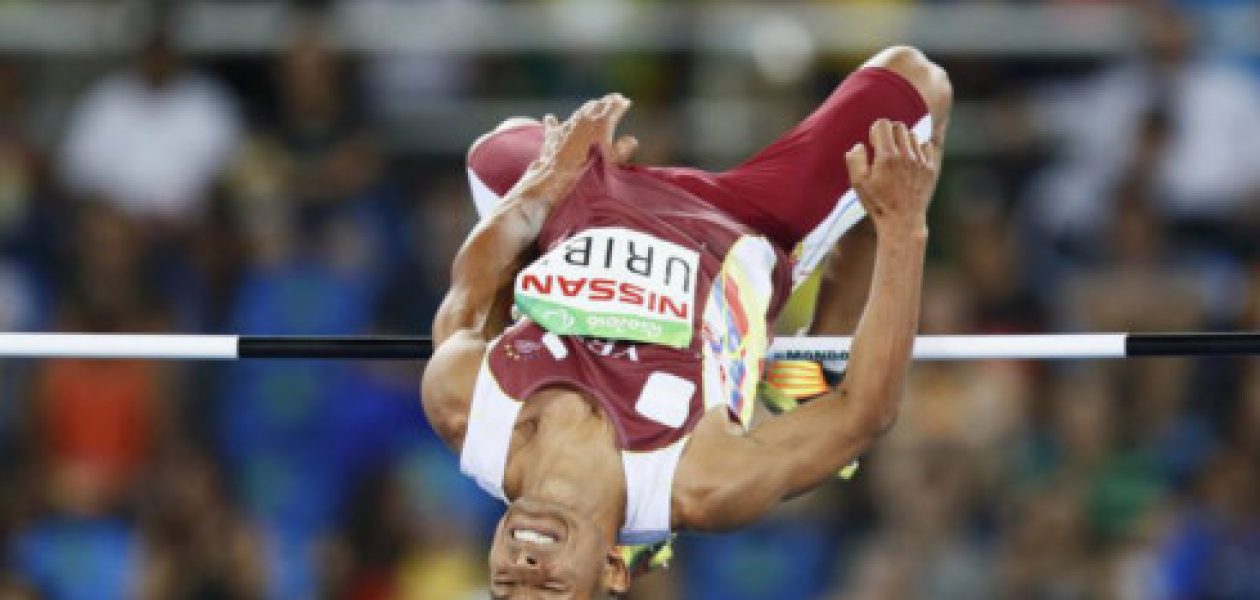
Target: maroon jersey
(629,379)
(679,253)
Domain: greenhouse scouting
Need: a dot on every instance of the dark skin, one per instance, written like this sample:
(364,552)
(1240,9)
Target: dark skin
(564,476)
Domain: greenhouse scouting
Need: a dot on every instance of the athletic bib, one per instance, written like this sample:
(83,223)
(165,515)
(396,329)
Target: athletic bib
(613,283)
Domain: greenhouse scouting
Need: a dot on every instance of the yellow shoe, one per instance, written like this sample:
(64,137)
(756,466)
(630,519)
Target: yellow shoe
(791,383)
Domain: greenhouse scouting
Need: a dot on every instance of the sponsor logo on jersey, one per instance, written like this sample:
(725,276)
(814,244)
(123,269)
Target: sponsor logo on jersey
(613,283)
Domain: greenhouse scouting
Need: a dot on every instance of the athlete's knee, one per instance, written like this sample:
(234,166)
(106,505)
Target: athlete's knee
(508,123)
(927,77)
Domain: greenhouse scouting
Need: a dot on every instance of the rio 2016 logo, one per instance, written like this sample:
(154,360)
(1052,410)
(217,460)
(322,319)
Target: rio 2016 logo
(556,318)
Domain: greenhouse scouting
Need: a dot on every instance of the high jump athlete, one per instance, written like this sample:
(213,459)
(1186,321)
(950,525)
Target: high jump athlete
(618,407)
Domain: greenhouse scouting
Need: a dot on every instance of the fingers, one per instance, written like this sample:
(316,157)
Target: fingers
(906,146)
(551,135)
(618,105)
(585,127)
(931,155)
(625,148)
(855,158)
(893,138)
(883,141)
(575,137)
(567,144)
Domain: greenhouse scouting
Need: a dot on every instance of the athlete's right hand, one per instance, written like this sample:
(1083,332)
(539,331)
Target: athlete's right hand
(620,150)
(896,186)
(567,147)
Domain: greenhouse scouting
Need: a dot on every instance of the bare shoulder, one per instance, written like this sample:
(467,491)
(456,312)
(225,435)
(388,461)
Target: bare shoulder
(446,387)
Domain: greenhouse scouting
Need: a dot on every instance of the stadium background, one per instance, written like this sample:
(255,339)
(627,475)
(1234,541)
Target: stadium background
(259,167)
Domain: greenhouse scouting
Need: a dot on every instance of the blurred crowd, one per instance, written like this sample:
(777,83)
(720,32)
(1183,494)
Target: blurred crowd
(259,195)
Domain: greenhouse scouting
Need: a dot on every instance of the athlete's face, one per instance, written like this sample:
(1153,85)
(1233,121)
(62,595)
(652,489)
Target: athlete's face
(544,550)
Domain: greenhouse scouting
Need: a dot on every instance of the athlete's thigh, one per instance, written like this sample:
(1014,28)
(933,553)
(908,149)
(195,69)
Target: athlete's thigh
(498,159)
(797,189)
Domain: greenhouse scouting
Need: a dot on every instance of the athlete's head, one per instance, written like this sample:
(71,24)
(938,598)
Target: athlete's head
(542,549)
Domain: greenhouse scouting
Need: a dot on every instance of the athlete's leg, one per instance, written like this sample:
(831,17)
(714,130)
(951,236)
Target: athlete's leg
(796,190)
(831,293)
(498,159)
(931,81)
(845,281)
(846,277)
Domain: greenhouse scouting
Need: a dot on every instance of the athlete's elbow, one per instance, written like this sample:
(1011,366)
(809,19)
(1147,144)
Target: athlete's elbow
(886,418)
(880,411)
(441,401)
(735,504)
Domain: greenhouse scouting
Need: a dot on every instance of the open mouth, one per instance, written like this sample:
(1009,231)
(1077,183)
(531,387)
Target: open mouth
(536,523)
(534,536)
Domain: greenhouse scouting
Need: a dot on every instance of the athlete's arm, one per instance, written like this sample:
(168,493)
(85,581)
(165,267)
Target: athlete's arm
(476,307)
(726,481)
(485,267)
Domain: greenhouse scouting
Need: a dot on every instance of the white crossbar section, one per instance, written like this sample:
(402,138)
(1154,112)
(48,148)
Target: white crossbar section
(76,345)
(968,347)
(931,347)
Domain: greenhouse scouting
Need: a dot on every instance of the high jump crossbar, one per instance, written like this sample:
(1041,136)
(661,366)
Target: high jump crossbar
(928,347)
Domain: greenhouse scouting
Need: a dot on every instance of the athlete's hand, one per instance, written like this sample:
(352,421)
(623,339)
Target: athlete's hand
(618,149)
(567,149)
(896,186)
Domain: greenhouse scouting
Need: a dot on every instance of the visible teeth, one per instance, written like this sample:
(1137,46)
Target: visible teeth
(535,537)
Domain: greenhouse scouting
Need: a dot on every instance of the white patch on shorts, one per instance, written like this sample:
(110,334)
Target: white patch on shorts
(666,399)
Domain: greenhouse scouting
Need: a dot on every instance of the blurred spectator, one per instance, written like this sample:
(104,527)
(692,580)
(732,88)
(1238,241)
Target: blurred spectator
(17,298)
(95,426)
(78,558)
(981,405)
(196,544)
(105,274)
(151,139)
(318,124)
(400,84)
(98,420)
(1206,167)
(1216,546)
(21,177)
(926,546)
(988,258)
(318,221)
(1245,429)
(1136,286)
(444,215)
(20,161)
(1045,553)
(390,553)
(786,555)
